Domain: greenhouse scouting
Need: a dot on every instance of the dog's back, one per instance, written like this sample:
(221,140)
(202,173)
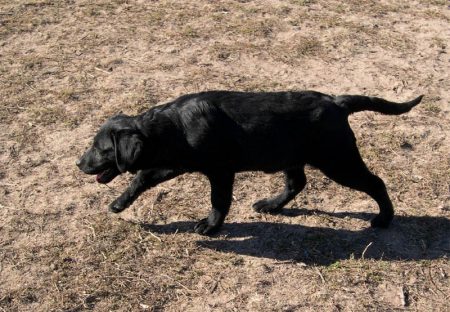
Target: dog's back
(258,131)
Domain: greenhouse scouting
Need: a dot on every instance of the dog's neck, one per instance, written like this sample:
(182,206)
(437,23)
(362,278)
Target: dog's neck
(162,139)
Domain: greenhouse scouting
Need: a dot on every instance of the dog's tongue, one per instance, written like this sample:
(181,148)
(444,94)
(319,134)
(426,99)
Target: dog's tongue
(107,176)
(98,177)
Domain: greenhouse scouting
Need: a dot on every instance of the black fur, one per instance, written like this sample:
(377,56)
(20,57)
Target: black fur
(219,133)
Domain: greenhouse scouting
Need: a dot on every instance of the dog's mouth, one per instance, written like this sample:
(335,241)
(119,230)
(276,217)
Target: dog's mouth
(107,175)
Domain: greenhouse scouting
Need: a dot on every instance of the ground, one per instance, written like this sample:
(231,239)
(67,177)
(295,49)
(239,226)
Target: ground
(66,66)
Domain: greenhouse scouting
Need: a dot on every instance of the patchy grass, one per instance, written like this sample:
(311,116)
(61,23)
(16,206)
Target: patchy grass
(68,66)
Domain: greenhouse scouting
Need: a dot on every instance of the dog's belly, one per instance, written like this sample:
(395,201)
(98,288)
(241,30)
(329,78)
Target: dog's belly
(265,156)
(270,160)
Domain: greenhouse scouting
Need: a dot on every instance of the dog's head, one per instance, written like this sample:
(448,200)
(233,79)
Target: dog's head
(116,149)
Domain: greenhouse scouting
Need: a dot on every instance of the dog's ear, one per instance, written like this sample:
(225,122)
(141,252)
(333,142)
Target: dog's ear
(120,115)
(127,148)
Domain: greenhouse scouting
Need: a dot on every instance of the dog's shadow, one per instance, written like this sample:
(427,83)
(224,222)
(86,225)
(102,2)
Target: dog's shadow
(408,238)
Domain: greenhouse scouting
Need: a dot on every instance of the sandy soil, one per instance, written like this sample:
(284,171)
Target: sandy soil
(65,66)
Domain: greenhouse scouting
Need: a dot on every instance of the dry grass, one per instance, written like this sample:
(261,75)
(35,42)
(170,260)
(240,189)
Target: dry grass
(67,65)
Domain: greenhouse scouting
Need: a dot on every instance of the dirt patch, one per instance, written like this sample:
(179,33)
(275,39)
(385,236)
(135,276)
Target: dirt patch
(68,65)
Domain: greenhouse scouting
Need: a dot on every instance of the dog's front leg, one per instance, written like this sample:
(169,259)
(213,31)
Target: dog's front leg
(144,180)
(221,196)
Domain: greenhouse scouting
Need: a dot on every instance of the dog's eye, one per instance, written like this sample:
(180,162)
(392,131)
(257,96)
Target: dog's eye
(98,150)
(104,152)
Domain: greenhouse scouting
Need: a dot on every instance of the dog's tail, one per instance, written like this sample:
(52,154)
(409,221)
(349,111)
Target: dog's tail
(358,103)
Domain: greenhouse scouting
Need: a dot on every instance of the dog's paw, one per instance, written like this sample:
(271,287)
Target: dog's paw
(381,222)
(267,206)
(204,228)
(116,206)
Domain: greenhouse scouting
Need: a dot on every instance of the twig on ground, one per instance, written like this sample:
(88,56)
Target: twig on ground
(133,278)
(155,236)
(112,189)
(177,282)
(102,70)
(432,282)
(365,249)
(130,59)
(321,276)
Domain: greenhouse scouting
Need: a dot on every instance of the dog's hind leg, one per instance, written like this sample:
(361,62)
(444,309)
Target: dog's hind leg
(221,196)
(346,167)
(144,180)
(295,180)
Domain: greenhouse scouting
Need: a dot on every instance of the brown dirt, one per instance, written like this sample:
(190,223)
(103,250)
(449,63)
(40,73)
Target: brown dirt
(65,66)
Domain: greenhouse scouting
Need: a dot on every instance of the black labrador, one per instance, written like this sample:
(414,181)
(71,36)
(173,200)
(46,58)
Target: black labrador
(219,133)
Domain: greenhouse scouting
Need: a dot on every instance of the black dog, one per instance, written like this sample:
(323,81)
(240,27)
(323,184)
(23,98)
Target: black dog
(219,133)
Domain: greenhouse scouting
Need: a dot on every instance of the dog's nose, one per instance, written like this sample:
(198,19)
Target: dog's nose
(78,162)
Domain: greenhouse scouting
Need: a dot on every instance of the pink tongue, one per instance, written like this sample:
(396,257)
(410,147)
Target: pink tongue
(98,177)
